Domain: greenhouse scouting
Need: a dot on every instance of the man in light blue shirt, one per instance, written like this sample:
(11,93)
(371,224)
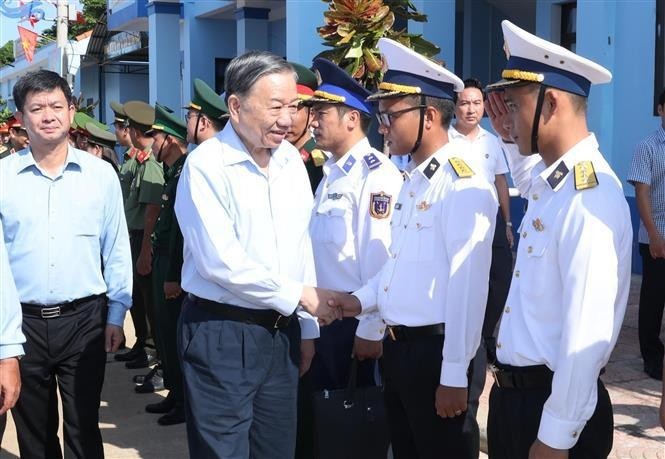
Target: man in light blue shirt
(68,248)
(11,338)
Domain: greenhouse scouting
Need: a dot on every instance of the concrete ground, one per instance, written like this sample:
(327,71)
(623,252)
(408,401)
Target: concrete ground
(130,432)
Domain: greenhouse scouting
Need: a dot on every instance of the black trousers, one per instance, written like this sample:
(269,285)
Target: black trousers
(652,302)
(142,304)
(514,419)
(67,351)
(411,371)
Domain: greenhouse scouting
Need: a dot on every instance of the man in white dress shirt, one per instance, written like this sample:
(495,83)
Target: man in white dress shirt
(570,283)
(432,291)
(244,204)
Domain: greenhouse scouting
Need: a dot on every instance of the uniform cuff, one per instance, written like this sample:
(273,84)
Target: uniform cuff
(367,297)
(11,350)
(454,374)
(559,433)
(116,314)
(287,299)
(371,328)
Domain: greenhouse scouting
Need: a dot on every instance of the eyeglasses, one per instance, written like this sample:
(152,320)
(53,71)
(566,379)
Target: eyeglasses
(191,115)
(385,118)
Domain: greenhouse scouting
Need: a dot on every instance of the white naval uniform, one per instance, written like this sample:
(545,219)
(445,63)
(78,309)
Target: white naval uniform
(350,226)
(246,235)
(438,270)
(570,285)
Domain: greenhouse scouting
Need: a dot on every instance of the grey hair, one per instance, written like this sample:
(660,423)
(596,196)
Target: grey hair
(245,70)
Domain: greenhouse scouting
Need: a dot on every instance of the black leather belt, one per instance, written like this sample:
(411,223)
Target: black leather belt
(55,310)
(266,318)
(404,333)
(531,377)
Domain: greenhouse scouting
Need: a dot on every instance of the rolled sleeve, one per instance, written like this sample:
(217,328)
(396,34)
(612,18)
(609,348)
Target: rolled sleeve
(640,170)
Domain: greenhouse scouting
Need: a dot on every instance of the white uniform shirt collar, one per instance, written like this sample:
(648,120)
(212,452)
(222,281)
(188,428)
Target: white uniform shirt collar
(357,151)
(441,155)
(235,151)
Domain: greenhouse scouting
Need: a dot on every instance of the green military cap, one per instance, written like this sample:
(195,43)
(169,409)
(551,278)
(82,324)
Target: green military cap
(139,114)
(118,112)
(99,136)
(207,101)
(307,82)
(81,119)
(168,123)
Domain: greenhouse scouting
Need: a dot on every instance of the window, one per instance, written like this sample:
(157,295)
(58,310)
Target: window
(569,26)
(220,70)
(659,80)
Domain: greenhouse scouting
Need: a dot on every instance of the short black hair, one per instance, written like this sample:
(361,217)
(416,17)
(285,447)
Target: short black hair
(661,98)
(365,119)
(39,81)
(472,83)
(445,107)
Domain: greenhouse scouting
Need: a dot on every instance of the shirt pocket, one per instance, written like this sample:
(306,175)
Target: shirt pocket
(536,263)
(420,238)
(333,228)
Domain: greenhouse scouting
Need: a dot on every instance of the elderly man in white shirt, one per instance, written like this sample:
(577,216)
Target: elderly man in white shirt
(244,204)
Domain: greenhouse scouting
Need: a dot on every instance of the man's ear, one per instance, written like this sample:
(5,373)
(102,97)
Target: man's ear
(234,106)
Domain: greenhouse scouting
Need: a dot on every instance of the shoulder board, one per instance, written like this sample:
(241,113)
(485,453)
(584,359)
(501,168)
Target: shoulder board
(585,176)
(349,164)
(461,168)
(372,161)
(142,156)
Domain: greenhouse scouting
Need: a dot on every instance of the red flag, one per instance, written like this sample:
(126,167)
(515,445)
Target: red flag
(28,42)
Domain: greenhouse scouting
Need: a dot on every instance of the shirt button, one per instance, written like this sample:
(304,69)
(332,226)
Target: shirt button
(507,310)
(535,196)
(385,289)
(517,273)
(529,249)
(411,194)
(394,255)
(575,434)
(417,225)
(404,226)
(498,345)
(524,234)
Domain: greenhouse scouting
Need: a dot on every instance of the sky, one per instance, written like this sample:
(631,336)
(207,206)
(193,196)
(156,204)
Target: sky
(8,30)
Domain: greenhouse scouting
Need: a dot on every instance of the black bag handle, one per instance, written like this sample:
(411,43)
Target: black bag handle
(350,396)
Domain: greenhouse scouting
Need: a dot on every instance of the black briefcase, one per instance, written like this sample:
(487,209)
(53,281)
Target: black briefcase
(350,423)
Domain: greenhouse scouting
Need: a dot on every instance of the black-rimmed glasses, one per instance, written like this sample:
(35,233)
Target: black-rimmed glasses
(385,118)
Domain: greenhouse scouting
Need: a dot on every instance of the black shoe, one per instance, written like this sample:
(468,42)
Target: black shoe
(140,379)
(161,407)
(654,372)
(141,361)
(130,355)
(175,416)
(151,385)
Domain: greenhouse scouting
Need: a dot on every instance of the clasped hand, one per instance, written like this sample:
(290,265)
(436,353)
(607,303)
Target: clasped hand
(328,305)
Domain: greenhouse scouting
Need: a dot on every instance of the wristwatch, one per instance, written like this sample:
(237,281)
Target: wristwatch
(509,224)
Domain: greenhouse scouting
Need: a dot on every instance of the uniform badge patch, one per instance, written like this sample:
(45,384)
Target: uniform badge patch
(379,205)
(538,225)
(398,206)
(557,175)
(334,196)
(585,175)
(461,168)
(349,164)
(431,168)
(424,205)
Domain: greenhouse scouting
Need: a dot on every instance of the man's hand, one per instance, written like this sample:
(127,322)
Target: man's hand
(144,262)
(540,450)
(450,401)
(307,352)
(10,383)
(349,304)
(114,336)
(172,290)
(366,349)
(510,236)
(320,303)
(657,247)
(497,111)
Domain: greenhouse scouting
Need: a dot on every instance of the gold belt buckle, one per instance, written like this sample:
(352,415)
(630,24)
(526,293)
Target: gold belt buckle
(391,332)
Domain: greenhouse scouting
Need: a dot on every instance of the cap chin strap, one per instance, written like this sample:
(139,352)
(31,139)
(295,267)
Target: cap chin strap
(304,131)
(159,153)
(536,119)
(420,125)
(196,128)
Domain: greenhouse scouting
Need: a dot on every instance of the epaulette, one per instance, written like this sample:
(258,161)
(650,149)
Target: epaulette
(372,161)
(318,157)
(349,164)
(585,176)
(461,168)
(142,156)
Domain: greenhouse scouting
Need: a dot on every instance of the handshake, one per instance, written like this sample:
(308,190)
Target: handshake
(328,305)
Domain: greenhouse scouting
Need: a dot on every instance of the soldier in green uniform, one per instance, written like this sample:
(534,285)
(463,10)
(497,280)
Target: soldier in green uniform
(300,134)
(129,164)
(207,114)
(142,209)
(170,147)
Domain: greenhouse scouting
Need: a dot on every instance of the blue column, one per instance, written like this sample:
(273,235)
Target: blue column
(302,20)
(251,29)
(439,28)
(164,53)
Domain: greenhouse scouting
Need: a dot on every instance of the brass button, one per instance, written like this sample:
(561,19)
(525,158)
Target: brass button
(517,273)
(507,310)
(385,289)
(535,196)
(529,249)
(575,434)
(498,345)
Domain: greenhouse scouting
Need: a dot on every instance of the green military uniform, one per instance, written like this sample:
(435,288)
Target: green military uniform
(206,101)
(129,164)
(145,188)
(167,247)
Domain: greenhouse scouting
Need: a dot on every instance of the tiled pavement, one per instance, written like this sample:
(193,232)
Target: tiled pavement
(129,432)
